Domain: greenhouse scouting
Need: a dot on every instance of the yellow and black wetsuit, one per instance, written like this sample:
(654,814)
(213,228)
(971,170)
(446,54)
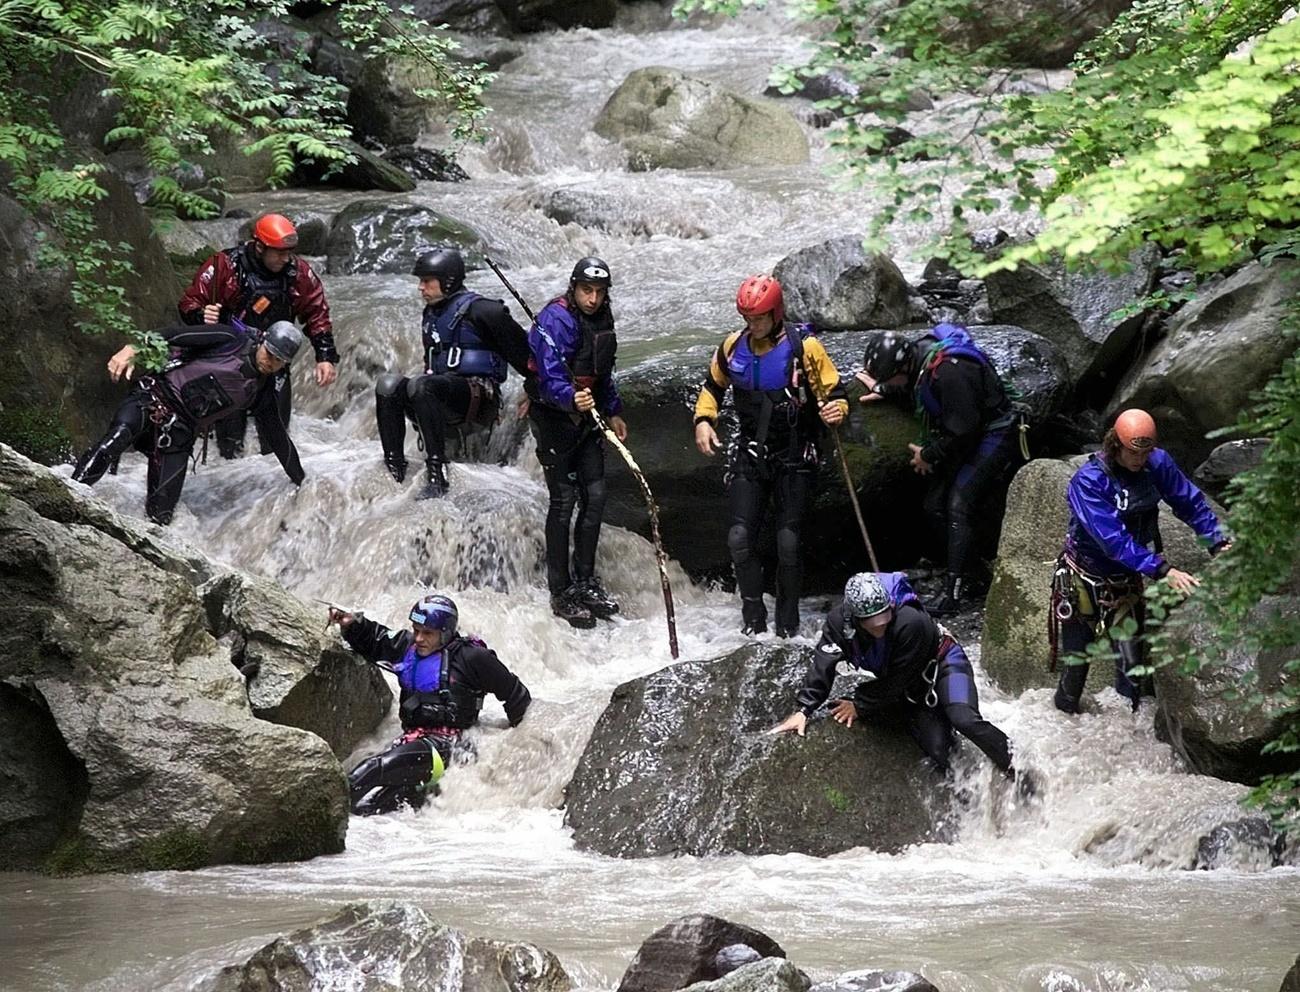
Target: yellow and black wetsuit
(778,385)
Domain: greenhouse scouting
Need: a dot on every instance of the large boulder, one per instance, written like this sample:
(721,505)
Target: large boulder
(659,397)
(613,214)
(665,119)
(765,975)
(1014,649)
(298,678)
(367,170)
(133,705)
(838,286)
(541,15)
(679,764)
(369,947)
(1220,348)
(687,951)
(1074,309)
(1227,461)
(1217,728)
(386,235)
(1033,32)
(54,394)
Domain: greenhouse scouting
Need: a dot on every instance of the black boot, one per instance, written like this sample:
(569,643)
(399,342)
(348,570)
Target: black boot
(436,487)
(592,594)
(396,466)
(94,463)
(951,602)
(754,616)
(569,608)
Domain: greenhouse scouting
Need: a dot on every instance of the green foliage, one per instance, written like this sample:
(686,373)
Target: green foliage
(180,76)
(838,800)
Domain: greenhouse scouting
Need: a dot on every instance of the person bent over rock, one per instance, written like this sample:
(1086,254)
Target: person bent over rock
(216,373)
(911,665)
(443,676)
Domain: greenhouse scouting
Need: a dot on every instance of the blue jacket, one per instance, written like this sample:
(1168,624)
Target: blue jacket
(554,340)
(1113,514)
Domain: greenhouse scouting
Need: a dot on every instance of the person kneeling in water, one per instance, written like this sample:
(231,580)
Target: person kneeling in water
(443,676)
(912,665)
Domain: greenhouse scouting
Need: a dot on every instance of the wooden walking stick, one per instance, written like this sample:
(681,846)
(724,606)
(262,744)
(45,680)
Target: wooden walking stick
(661,557)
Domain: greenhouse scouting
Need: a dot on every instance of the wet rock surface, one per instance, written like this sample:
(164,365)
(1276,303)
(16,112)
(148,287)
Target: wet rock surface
(141,735)
(666,119)
(679,763)
(374,947)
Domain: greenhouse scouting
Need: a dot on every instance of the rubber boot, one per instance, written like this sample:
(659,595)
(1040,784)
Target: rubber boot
(593,595)
(951,602)
(753,616)
(568,608)
(436,486)
(391,419)
(94,463)
(396,466)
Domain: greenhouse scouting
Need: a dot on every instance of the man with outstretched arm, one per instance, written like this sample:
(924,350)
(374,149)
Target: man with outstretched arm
(443,676)
(216,372)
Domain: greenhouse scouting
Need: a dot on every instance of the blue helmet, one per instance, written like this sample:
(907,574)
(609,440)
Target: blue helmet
(438,612)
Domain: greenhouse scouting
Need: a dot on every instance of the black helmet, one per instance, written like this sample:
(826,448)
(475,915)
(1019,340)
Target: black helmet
(887,354)
(591,270)
(283,339)
(444,264)
(438,612)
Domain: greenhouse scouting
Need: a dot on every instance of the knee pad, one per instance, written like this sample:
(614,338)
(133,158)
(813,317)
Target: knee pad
(595,494)
(738,541)
(787,546)
(388,385)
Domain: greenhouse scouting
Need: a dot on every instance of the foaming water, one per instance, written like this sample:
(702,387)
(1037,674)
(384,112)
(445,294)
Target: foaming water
(1075,890)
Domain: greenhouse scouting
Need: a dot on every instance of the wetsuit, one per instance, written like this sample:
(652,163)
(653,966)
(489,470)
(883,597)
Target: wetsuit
(469,341)
(441,695)
(776,383)
(236,279)
(919,671)
(971,439)
(212,376)
(1111,546)
(570,351)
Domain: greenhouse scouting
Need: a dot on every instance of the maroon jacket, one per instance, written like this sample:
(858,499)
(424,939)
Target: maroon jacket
(247,292)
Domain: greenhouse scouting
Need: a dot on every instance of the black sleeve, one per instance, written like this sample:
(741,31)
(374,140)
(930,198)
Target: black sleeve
(197,337)
(502,333)
(486,673)
(269,426)
(827,655)
(191,317)
(375,642)
(323,345)
(959,387)
(914,644)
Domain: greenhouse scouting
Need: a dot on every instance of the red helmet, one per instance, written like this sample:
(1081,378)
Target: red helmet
(758,295)
(1136,430)
(276,231)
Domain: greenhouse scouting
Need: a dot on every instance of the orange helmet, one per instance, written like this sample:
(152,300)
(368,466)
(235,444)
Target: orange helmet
(1136,430)
(759,295)
(276,231)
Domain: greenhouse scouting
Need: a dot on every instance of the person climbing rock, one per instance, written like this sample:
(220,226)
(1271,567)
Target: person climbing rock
(913,666)
(971,435)
(216,372)
(785,388)
(573,346)
(1113,546)
(443,676)
(469,341)
(255,284)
